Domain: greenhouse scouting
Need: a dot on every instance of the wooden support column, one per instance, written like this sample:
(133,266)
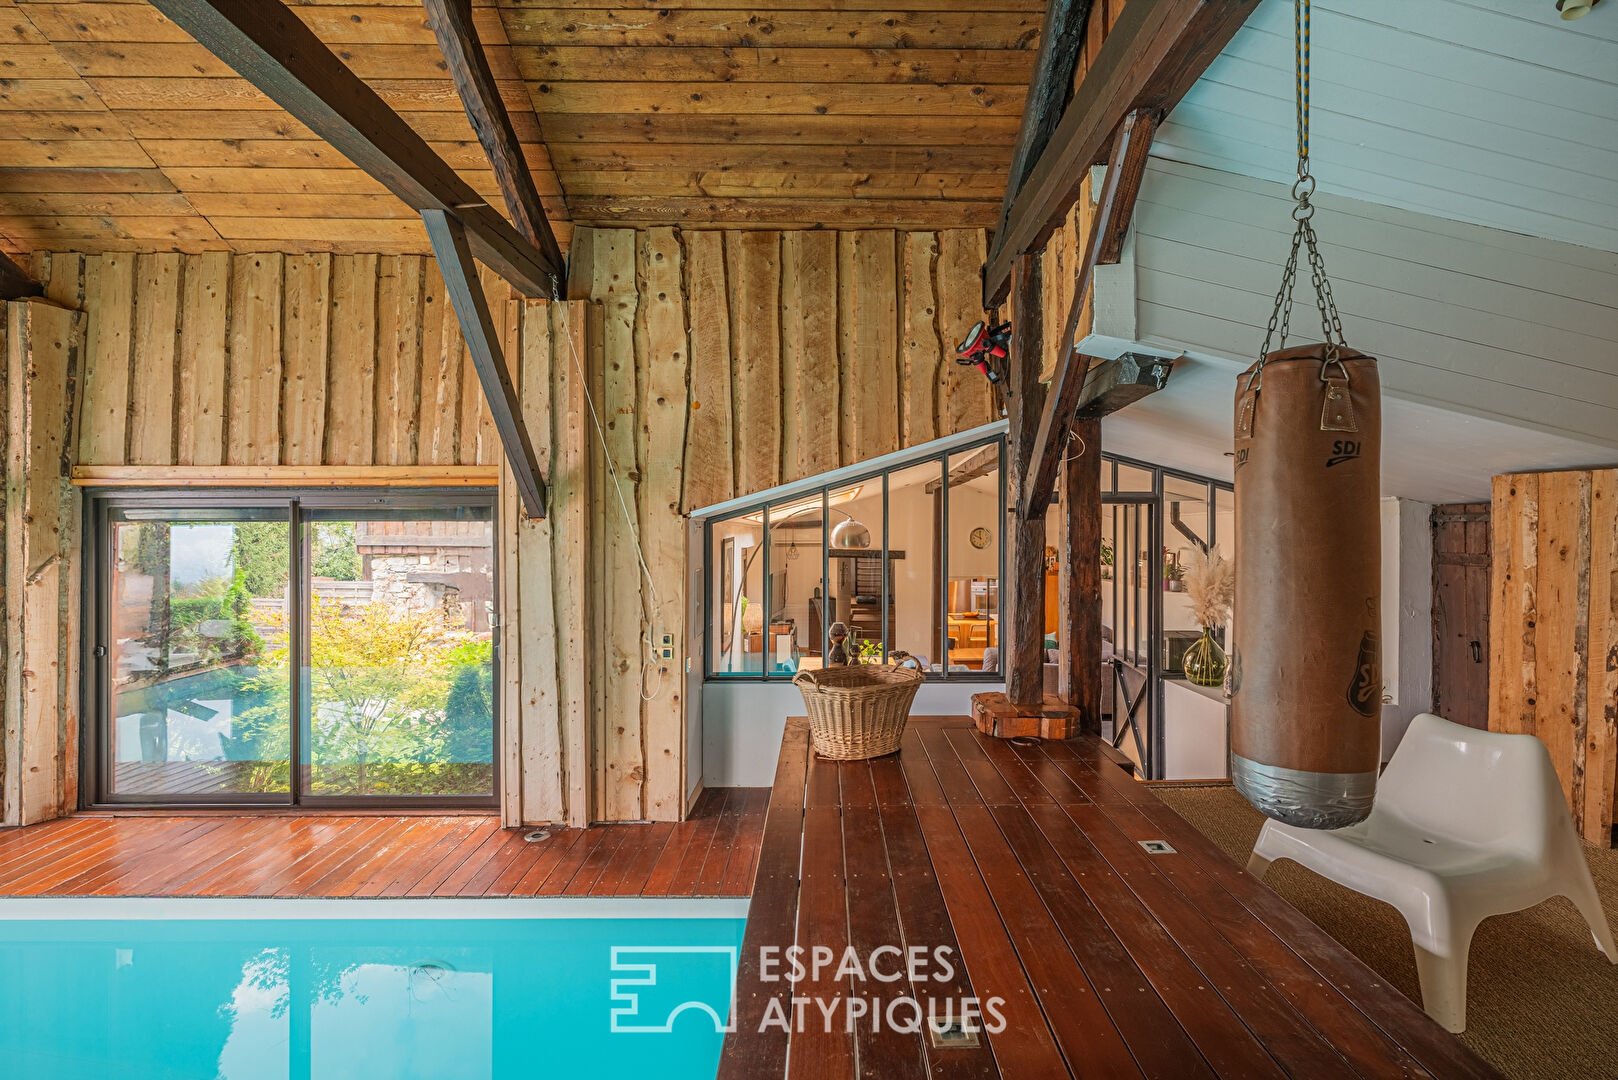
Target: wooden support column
(1079,574)
(1024,708)
(39,588)
(1025,400)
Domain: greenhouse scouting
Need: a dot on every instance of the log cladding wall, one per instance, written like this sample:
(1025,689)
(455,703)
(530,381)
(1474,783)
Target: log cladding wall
(1553,629)
(42,345)
(724,363)
(721,363)
(271,359)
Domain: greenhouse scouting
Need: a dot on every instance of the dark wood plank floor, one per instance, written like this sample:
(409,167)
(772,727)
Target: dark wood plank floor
(712,853)
(1026,862)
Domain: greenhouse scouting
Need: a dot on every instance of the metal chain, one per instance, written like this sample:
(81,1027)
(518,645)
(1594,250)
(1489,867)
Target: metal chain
(1303,211)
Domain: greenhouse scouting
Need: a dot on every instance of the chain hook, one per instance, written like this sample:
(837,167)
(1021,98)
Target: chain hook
(1303,211)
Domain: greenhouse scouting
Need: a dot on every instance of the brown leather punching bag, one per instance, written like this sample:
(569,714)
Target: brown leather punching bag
(1306,666)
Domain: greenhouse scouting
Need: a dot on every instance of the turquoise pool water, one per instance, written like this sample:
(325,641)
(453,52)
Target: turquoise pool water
(368,999)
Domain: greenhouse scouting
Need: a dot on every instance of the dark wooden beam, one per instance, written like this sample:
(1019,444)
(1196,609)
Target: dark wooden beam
(1079,559)
(270,47)
(1061,43)
(15,282)
(1152,55)
(454,255)
(1123,380)
(1024,652)
(1113,210)
(451,21)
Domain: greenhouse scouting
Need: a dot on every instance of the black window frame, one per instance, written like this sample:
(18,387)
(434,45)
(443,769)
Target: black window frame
(1153,497)
(761,507)
(95,690)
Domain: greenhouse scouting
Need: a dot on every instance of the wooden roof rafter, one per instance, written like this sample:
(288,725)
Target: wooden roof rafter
(457,36)
(1150,58)
(274,50)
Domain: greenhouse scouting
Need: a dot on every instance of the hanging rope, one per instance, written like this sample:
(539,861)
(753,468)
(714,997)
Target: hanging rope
(1303,211)
(650,658)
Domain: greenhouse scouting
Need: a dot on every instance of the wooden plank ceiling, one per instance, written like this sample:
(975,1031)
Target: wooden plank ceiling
(117,131)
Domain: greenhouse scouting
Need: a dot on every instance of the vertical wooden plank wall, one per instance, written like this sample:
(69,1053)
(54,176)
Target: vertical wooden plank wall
(545,599)
(755,358)
(721,363)
(43,351)
(264,359)
(1553,629)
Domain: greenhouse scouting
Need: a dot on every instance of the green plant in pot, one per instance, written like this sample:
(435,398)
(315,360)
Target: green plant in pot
(1210,584)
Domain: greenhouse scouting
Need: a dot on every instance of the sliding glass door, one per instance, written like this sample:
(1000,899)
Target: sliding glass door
(309,650)
(195,622)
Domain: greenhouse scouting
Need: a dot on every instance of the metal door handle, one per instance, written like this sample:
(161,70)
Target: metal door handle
(1477,652)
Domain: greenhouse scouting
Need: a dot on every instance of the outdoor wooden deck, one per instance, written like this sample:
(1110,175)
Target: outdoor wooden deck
(712,853)
(1027,861)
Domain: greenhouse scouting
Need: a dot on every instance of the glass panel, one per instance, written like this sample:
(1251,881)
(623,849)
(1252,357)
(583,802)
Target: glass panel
(1148,575)
(197,654)
(1107,467)
(855,556)
(1186,529)
(976,534)
(915,505)
(1132,479)
(735,612)
(1225,544)
(400,675)
(1109,570)
(797,560)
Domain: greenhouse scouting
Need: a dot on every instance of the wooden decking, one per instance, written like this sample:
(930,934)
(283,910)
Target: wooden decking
(1026,861)
(713,853)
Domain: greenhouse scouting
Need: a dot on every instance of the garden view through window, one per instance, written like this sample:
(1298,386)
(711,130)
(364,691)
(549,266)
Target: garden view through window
(296,651)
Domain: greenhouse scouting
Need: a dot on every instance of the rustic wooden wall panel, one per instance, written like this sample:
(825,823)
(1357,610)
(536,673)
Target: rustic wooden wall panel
(350,401)
(924,352)
(199,419)
(869,308)
(273,359)
(623,630)
(680,370)
(966,401)
(753,265)
(1552,629)
(661,350)
(810,438)
(709,458)
(151,386)
(44,348)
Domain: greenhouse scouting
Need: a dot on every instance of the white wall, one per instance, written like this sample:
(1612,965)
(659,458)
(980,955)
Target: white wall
(742,724)
(1407,616)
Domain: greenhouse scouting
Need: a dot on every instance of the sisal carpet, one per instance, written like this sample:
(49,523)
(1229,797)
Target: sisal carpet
(1541,999)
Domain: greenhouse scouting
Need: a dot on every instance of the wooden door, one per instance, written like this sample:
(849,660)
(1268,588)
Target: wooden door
(1461,613)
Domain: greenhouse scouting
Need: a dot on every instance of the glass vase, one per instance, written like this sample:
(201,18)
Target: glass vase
(1205,661)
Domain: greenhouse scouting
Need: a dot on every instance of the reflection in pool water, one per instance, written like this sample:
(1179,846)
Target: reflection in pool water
(372,999)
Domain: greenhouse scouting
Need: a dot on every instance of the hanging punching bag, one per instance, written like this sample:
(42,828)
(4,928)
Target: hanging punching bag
(1306,671)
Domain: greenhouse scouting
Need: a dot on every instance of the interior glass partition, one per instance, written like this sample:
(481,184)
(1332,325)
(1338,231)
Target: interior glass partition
(904,562)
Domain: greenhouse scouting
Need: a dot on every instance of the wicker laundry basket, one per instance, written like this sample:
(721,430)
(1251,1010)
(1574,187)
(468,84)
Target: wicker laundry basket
(859,710)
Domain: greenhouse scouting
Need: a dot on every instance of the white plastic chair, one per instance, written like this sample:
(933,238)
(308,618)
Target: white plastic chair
(1466,824)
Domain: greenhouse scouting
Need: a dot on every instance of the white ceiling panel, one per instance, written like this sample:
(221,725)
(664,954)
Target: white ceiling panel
(1492,112)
